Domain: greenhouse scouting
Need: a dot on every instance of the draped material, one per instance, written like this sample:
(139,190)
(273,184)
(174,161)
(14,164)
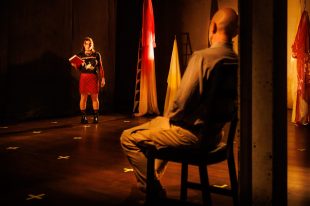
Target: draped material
(300,51)
(148,92)
(174,78)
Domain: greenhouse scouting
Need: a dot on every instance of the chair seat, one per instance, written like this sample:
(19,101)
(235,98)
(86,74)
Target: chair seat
(190,156)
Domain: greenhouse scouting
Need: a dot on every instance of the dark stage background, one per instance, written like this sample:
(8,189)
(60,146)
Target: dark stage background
(37,38)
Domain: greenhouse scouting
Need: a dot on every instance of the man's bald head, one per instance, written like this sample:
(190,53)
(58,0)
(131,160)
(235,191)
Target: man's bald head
(224,25)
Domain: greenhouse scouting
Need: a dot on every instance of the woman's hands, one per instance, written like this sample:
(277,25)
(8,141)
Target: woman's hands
(74,65)
(102,83)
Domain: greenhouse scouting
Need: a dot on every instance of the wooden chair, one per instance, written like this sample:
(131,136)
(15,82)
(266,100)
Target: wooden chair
(202,157)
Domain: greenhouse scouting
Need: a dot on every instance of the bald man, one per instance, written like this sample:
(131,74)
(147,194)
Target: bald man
(186,124)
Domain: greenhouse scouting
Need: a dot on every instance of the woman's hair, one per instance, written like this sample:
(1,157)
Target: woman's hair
(91,41)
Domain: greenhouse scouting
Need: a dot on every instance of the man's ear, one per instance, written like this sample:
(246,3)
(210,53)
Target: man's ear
(213,27)
(236,31)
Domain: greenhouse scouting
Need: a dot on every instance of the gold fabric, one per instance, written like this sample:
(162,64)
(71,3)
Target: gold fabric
(174,78)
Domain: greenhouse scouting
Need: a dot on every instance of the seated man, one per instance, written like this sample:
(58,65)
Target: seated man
(187,123)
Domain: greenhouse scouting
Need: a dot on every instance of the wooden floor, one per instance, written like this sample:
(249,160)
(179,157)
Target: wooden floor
(62,162)
(298,143)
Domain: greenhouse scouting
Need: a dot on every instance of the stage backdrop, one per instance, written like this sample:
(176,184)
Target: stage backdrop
(37,38)
(172,18)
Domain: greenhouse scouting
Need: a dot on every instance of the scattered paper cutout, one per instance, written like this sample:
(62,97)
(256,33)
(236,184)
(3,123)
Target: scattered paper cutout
(63,157)
(12,148)
(37,197)
(221,186)
(37,132)
(128,169)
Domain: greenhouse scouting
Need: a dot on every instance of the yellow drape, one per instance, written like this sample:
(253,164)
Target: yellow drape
(174,78)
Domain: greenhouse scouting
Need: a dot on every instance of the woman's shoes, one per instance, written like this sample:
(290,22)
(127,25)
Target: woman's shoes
(96,117)
(84,119)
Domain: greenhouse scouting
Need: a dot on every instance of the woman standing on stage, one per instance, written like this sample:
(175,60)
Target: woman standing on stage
(91,78)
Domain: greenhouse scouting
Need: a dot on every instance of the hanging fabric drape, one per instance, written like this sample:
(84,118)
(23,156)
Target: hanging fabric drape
(174,78)
(300,51)
(148,92)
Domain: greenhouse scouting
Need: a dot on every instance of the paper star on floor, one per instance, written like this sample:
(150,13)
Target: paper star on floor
(63,157)
(38,197)
(12,148)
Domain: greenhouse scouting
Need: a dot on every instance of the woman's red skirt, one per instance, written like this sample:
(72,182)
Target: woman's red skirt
(89,84)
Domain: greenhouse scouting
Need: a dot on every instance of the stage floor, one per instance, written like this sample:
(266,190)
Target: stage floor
(62,162)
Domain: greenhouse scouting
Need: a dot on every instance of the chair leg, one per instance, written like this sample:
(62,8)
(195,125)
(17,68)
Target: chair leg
(184,176)
(204,181)
(233,180)
(150,181)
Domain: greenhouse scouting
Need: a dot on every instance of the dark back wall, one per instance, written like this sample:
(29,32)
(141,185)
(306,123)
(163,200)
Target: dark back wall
(36,40)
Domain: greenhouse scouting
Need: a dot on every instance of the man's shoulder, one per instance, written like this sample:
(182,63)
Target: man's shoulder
(206,52)
(217,51)
(201,51)
(201,54)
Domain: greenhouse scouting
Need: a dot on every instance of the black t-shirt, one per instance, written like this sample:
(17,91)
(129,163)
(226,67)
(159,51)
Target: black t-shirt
(92,62)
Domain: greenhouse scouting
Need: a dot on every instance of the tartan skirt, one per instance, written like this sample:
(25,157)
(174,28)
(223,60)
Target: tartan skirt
(89,84)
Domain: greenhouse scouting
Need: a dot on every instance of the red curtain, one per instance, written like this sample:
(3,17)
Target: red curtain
(148,92)
(300,50)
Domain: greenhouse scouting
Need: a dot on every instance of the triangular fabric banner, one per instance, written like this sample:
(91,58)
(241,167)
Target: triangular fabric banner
(148,92)
(174,78)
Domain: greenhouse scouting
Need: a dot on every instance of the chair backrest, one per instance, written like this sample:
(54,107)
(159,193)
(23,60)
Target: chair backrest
(232,133)
(221,92)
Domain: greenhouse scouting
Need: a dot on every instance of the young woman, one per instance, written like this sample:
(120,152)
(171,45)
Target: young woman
(91,78)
